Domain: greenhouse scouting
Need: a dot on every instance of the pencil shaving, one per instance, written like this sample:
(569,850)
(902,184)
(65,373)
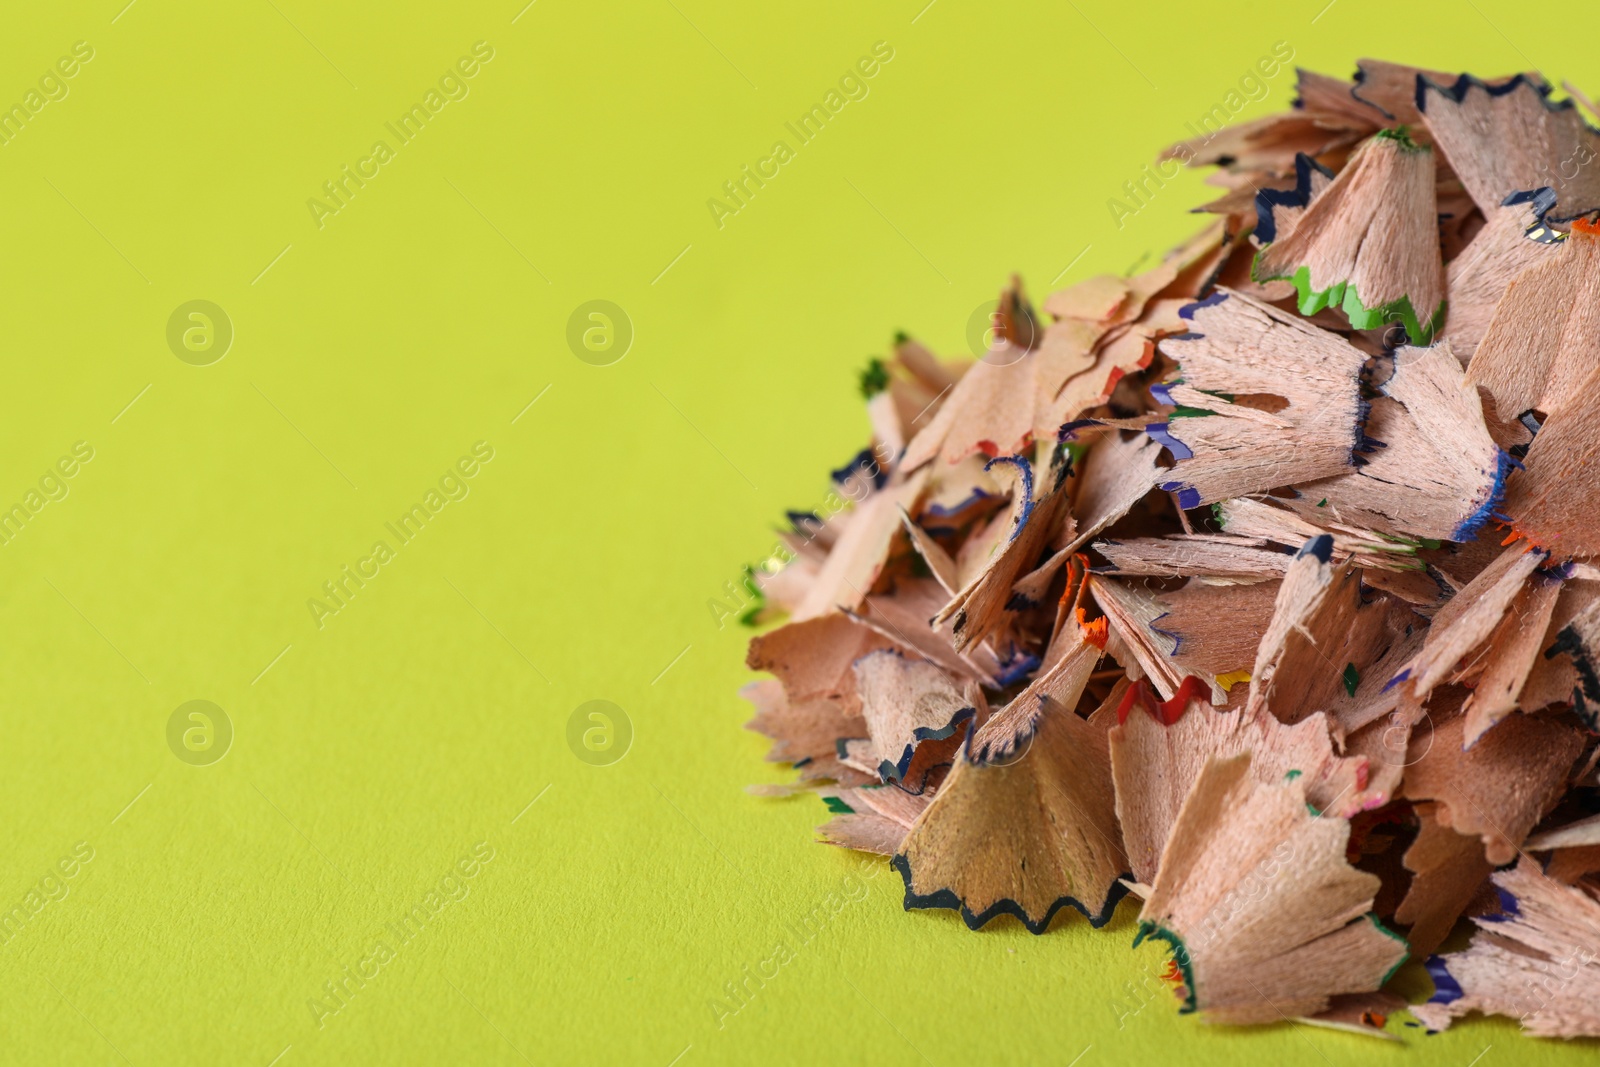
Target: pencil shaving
(1263,584)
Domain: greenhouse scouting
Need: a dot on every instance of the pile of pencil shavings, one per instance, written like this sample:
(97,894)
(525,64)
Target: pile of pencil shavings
(1263,585)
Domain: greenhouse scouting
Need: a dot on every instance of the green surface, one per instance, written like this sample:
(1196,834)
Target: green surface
(384,756)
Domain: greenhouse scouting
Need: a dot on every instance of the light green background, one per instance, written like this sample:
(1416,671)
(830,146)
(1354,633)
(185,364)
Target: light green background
(427,715)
